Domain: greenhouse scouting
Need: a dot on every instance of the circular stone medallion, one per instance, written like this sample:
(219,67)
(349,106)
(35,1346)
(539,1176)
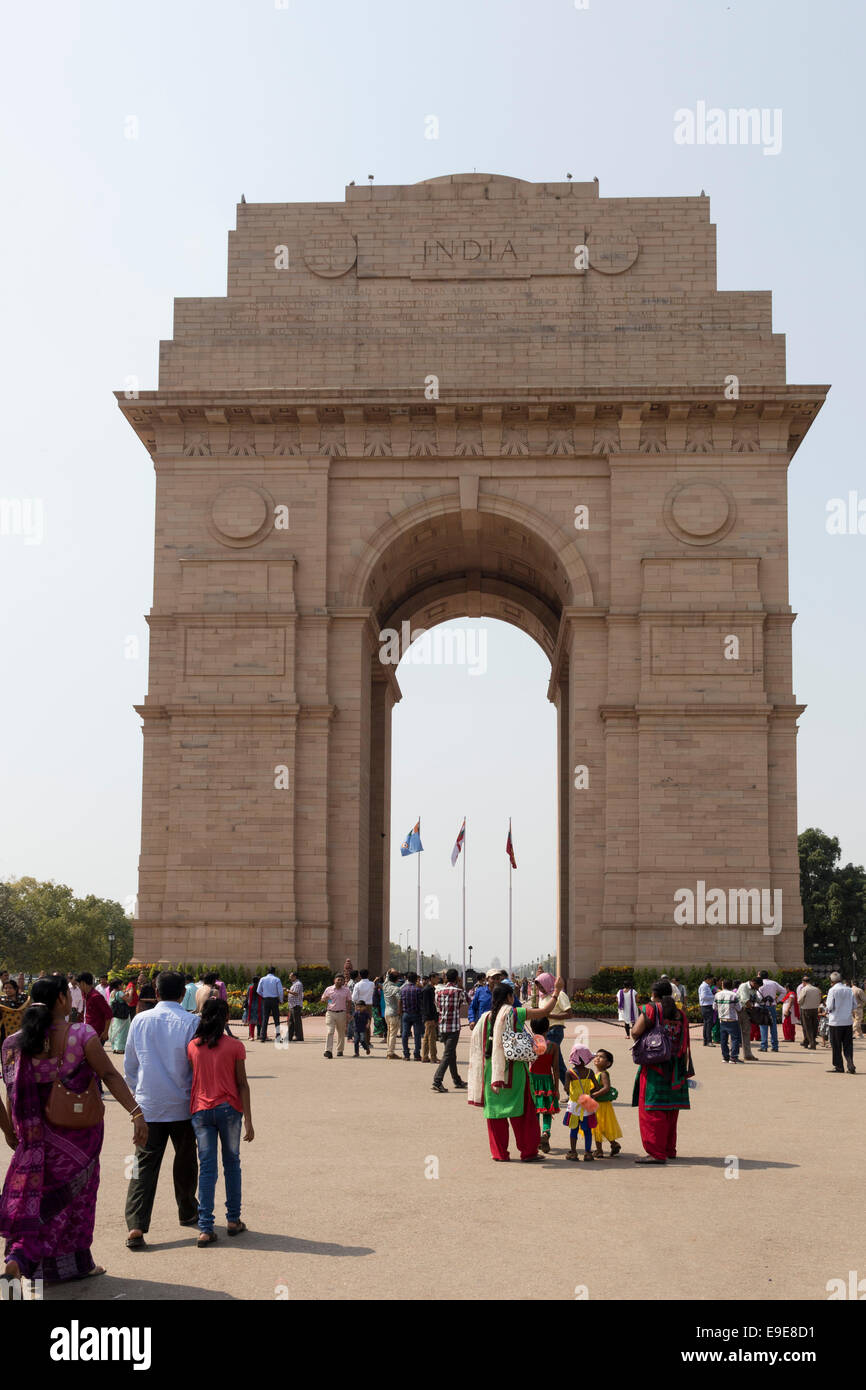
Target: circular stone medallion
(699,512)
(612,252)
(330,256)
(241,515)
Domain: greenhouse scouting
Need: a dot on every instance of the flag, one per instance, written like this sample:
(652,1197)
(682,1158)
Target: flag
(412,843)
(458,844)
(509,848)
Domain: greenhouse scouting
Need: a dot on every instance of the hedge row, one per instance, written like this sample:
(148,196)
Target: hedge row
(609,979)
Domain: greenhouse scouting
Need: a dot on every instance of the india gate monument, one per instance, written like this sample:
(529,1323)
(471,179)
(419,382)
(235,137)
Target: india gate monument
(478,397)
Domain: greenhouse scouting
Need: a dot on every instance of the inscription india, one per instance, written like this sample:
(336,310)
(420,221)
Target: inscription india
(467,249)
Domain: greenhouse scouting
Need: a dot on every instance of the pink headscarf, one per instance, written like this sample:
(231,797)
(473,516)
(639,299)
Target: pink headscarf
(583,1055)
(545,983)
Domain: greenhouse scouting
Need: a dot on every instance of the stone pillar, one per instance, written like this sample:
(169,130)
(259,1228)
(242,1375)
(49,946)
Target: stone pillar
(350,674)
(374,952)
(587,679)
(563,849)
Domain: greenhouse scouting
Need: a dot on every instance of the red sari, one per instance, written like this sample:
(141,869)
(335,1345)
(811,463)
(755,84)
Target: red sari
(790,1017)
(660,1093)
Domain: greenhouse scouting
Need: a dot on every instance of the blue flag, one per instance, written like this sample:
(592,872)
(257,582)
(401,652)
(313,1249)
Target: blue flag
(412,843)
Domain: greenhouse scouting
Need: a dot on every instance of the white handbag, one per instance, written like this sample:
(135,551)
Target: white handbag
(518,1047)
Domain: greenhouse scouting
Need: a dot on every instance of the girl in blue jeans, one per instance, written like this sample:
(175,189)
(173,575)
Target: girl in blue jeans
(219,1100)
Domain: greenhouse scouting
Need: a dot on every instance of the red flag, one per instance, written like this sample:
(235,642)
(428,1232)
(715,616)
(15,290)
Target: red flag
(509,848)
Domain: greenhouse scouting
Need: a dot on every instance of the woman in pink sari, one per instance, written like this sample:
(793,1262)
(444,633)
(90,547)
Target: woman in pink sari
(790,1015)
(48,1205)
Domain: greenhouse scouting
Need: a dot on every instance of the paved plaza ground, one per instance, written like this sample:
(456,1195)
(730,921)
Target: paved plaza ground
(340,1205)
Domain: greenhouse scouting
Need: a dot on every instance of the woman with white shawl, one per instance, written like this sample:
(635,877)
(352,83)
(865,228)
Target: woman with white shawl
(626,1008)
(500,1086)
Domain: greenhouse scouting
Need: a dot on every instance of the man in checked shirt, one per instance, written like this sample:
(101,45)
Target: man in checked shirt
(449,1001)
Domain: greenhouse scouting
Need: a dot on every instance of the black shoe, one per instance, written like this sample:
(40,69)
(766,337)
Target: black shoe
(852,1071)
(437,1086)
(193,1221)
(460,1086)
(329,1054)
(840,1071)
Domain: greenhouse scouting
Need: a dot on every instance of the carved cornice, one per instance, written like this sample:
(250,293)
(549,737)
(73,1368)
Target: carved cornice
(242,425)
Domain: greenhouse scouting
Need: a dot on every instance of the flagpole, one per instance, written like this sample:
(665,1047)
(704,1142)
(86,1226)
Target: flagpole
(509,899)
(465,852)
(418,942)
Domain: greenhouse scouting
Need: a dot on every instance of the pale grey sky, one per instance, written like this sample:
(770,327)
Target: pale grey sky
(101,231)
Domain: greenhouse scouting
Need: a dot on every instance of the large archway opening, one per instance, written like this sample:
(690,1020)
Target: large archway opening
(482,557)
(474,735)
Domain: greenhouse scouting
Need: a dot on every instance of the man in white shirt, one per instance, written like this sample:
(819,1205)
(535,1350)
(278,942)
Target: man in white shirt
(76,999)
(728,1004)
(363,994)
(295,997)
(746,994)
(270,990)
(809,999)
(840,1017)
(706,993)
(770,991)
(859,1004)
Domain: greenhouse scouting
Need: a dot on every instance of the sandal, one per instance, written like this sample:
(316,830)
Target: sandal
(571,1157)
(615,1149)
(205,1239)
(135,1243)
(236,1230)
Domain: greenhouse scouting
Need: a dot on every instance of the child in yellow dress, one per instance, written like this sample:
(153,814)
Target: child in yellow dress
(581,1082)
(606,1123)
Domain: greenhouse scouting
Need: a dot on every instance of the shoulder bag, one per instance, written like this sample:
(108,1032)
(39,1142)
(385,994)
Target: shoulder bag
(518,1047)
(72,1109)
(654,1047)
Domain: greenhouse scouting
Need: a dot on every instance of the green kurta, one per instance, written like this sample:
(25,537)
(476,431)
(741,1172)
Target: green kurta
(508,1103)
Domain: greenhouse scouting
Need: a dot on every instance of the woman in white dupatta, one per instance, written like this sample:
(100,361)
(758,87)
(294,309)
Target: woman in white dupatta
(626,1008)
(500,1086)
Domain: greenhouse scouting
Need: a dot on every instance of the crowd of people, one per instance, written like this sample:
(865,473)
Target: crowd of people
(737,1013)
(183,1081)
(183,1078)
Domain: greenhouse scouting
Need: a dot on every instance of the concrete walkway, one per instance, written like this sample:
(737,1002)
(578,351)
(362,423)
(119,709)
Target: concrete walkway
(362,1183)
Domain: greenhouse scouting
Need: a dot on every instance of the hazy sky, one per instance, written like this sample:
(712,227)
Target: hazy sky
(130,133)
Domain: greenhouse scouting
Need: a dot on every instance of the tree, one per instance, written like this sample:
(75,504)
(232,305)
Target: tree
(834,903)
(43,926)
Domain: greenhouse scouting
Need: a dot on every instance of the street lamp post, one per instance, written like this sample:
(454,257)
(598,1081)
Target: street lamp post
(111,940)
(469,948)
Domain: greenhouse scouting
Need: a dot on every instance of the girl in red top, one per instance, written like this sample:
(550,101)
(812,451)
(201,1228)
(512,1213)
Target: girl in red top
(219,1099)
(543,1083)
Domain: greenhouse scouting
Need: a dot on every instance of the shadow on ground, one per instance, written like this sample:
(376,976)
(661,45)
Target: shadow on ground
(109,1289)
(627,1161)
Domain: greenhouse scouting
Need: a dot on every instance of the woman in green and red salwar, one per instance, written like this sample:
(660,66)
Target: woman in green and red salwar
(660,1093)
(500,1086)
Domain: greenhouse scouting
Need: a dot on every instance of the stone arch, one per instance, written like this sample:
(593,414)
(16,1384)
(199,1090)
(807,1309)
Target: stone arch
(567,570)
